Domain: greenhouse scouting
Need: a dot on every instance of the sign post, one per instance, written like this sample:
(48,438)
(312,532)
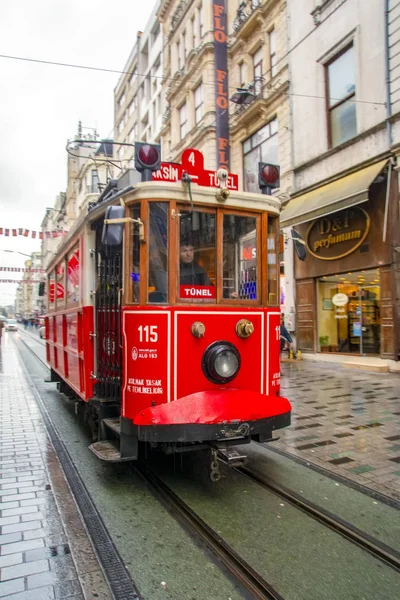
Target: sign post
(221,82)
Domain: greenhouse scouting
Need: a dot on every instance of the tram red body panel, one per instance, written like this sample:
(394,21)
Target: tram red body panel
(69,348)
(163,364)
(214,406)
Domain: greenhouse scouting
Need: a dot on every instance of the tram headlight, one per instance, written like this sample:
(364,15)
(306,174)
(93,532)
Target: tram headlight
(221,362)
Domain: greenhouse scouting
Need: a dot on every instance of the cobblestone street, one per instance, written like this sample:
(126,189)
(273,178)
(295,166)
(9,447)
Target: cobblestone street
(36,546)
(347,421)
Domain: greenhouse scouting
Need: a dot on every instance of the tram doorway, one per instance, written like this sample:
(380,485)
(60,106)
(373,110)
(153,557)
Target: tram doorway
(108,321)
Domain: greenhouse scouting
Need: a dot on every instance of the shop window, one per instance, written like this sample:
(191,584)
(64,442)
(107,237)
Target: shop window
(239,258)
(262,146)
(73,276)
(273,257)
(349,313)
(197,256)
(340,73)
(158,252)
(135,266)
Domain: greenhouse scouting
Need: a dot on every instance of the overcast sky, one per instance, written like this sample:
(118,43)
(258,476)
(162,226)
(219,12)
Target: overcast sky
(40,105)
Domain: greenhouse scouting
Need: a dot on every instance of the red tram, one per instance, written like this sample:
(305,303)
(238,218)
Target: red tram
(163,315)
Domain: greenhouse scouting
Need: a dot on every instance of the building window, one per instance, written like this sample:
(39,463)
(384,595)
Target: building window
(198,103)
(178,54)
(184,45)
(340,73)
(258,63)
(131,108)
(183,120)
(262,146)
(201,22)
(121,125)
(194,36)
(132,77)
(95,181)
(272,53)
(121,101)
(242,74)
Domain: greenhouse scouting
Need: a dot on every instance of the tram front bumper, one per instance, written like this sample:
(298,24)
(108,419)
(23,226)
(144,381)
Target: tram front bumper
(214,416)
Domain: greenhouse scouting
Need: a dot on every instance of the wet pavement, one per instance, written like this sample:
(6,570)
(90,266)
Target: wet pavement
(44,549)
(346,421)
(342,411)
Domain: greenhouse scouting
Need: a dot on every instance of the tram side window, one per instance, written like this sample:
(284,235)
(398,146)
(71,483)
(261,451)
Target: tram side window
(51,286)
(273,249)
(73,276)
(135,272)
(197,256)
(158,252)
(60,286)
(239,258)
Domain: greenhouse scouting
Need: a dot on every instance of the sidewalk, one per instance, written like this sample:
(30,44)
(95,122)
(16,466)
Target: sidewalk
(345,421)
(44,549)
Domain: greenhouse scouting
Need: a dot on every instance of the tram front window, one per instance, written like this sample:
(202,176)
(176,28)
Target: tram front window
(239,258)
(158,253)
(197,256)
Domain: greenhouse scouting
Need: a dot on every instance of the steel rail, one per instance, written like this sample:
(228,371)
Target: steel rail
(379,550)
(252,581)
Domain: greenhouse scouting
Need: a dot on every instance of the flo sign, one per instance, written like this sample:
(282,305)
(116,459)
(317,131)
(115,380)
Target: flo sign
(340,299)
(339,234)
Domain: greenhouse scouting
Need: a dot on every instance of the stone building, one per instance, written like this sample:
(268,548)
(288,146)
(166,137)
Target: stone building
(138,99)
(344,101)
(255,34)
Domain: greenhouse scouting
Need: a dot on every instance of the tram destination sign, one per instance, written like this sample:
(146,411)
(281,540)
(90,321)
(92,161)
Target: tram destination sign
(193,165)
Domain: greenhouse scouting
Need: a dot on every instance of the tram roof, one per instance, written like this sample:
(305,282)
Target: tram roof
(166,191)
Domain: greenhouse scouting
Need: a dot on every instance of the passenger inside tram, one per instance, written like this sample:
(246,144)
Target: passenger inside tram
(190,271)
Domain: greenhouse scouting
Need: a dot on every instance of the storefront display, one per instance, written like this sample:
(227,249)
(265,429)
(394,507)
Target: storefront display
(345,300)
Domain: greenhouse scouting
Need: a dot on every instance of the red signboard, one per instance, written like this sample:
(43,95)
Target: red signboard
(147,363)
(197,291)
(193,165)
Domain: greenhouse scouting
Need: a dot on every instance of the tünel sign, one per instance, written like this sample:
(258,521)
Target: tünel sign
(338,235)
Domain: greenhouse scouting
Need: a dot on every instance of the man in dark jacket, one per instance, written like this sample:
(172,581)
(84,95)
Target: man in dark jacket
(191,273)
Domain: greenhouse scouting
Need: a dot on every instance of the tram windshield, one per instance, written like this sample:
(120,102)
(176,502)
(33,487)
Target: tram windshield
(197,256)
(239,257)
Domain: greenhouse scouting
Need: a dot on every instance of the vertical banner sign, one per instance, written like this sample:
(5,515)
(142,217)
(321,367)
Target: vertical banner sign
(221,82)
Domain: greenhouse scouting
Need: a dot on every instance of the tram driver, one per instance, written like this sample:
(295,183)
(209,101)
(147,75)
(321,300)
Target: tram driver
(190,271)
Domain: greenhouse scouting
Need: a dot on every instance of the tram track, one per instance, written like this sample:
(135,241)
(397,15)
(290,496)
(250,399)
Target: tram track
(252,581)
(249,579)
(351,533)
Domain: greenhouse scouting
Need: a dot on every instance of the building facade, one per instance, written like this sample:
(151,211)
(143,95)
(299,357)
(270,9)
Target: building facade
(138,98)
(345,186)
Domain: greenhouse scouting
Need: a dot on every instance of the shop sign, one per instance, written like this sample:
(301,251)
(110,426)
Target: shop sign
(338,235)
(340,299)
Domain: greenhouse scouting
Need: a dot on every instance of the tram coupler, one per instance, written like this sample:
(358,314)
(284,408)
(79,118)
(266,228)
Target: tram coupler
(213,466)
(231,457)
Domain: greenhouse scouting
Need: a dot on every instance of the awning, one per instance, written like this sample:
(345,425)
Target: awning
(342,193)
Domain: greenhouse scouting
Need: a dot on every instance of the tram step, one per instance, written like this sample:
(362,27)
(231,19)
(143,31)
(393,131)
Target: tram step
(106,450)
(231,457)
(114,424)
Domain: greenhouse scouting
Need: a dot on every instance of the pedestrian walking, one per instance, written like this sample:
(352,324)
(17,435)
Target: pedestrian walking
(1,328)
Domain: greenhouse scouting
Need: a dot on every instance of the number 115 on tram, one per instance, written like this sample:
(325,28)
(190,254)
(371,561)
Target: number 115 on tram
(163,313)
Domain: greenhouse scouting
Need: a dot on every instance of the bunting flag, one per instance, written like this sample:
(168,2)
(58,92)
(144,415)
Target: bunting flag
(18,281)
(22,270)
(32,234)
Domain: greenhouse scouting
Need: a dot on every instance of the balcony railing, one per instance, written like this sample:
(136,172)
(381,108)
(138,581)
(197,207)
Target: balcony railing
(245,10)
(248,94)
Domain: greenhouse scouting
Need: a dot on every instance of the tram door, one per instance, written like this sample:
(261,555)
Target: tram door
(108,321)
